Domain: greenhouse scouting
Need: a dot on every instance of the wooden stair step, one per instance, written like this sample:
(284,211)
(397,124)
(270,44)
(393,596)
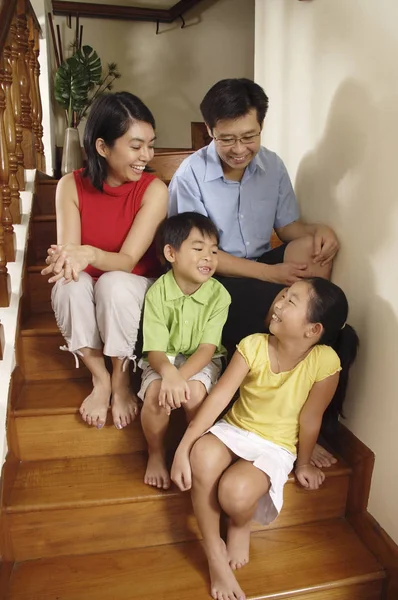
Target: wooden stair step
(43,233)
(63,507)
(39,289)
(39,353)
(321,561)
(44,201)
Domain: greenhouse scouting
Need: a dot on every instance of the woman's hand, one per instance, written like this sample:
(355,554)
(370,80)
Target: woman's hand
(66,261)
(309,476)
(181,472)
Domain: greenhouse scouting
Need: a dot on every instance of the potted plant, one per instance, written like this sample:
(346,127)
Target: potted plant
(78,81)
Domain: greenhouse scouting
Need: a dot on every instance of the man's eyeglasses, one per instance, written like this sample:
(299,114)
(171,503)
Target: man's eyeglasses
(231,141)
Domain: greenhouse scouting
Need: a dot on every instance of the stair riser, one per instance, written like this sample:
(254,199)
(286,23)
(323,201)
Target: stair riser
(44,201)
(39,293)
(112,527)
(43,234)
(365,591)
(40,358)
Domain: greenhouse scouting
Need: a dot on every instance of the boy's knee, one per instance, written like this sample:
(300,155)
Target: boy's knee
(151,398)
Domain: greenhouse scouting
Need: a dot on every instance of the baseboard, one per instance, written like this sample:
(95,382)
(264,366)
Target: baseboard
(382,546)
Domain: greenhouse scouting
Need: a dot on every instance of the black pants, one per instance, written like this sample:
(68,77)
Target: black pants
(251,301)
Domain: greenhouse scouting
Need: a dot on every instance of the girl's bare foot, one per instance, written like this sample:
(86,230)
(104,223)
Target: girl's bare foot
(95,407)
(321,457)
(223,583)
(124,406)
(238,545)
(156,473)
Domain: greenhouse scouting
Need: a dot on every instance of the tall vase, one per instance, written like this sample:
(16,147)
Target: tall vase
(72,157)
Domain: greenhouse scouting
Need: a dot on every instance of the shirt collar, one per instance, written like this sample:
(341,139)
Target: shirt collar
(173,291)
(214,167)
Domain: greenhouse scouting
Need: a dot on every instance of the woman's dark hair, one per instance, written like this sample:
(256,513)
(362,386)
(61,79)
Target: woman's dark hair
(231,99)
(329,306)
(175,230)
(110,117)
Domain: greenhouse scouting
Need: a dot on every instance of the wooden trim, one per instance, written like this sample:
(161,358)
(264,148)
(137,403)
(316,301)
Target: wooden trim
(131,13)
(5,575)
(382,546)
(7,10)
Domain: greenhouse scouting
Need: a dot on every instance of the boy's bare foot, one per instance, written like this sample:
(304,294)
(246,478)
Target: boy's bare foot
(238,545)
(156,473)
(321,457)
(223,583)
(95,407)
(124,406)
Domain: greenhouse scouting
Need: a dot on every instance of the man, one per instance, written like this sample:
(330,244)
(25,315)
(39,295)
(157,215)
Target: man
(246,190)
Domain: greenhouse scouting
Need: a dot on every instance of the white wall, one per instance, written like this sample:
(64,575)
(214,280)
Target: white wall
(172,71)
(330,68)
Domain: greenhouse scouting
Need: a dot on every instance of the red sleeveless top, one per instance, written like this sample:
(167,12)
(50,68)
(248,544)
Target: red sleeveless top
(107,216)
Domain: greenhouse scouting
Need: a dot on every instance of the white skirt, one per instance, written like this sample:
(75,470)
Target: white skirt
(275,461)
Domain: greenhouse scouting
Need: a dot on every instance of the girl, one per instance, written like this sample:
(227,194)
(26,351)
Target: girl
(107,217)
(287,380)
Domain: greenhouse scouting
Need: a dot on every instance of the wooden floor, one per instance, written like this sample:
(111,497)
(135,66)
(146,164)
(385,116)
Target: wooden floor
(78,523)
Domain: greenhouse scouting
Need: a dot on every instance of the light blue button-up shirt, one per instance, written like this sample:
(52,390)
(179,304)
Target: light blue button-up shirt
(246,211)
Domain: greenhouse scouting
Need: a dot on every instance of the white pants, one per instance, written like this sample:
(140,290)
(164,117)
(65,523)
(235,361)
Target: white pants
(103,314)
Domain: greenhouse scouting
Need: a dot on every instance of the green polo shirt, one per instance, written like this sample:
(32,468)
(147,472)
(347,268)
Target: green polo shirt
(176,324)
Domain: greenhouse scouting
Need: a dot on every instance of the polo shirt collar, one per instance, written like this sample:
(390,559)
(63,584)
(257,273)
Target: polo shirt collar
(173,292)
(214,167)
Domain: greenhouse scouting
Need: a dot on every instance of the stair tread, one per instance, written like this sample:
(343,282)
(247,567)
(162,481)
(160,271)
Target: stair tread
(40,324)
(52,397)
(320,556)
(44,218)
(83,481)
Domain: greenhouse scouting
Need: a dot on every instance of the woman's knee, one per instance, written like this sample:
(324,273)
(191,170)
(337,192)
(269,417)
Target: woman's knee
(75,289)
(119,288)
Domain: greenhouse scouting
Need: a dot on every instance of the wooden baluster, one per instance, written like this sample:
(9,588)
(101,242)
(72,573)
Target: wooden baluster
(5,192)
(16,103)
(31,62)
(5,286)
(24,86)
(36,51)
(9,123)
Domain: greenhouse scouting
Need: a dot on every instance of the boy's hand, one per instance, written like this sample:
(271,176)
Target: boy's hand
(309,476)
(181,472)
(174,391)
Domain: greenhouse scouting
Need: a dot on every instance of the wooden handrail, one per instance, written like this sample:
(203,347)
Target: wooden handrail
(132,13)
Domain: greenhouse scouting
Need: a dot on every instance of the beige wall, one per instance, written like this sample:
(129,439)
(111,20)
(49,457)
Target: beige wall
(330,68)
(172,71)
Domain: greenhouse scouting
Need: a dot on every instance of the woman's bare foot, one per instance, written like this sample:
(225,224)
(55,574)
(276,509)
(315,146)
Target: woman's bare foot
(94,408)
(223,583)
(238,545)
(124,406)
(156,473)
(321,457)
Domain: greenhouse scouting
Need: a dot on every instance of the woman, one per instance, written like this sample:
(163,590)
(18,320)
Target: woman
(104,260)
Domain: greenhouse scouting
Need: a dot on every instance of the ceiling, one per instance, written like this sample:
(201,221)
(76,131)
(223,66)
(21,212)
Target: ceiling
(163,4)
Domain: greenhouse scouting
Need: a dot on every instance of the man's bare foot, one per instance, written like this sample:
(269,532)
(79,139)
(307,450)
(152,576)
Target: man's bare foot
(156,473)
(223,583)
(95,407)
(321,457)
(124,406)
(238,545)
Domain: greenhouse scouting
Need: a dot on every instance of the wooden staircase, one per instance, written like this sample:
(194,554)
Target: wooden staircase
(79,523)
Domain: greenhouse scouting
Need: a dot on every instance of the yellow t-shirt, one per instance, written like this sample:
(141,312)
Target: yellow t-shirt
(270,403)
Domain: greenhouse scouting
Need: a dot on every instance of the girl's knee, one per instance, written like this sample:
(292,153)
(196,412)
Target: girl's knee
(233,494)
(207,457)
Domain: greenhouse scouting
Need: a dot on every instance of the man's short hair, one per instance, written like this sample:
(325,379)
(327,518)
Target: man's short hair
(175,230)
(231,99)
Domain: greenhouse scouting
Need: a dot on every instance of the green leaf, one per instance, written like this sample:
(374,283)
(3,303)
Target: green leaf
(92,63)
(71,84)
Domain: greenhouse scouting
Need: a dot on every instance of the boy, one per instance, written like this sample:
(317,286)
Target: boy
(185,311)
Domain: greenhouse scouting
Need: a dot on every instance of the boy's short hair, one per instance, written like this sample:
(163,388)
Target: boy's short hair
(175,230)
(231,99)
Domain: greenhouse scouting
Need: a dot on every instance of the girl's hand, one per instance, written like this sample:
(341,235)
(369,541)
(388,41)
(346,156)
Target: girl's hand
(309,476)
(181,472)
(174,391)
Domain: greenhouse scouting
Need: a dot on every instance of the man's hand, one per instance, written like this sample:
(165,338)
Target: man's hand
(285,273)
(174,390)
(326,245)
(309,476)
